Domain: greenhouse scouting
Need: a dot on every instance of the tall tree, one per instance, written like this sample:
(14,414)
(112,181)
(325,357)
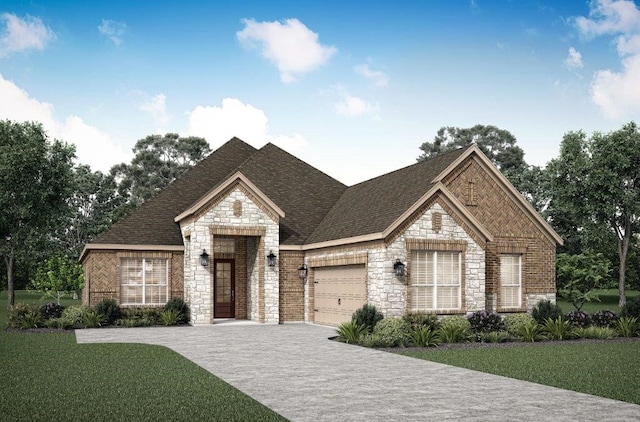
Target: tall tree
(35,176)
(158,161)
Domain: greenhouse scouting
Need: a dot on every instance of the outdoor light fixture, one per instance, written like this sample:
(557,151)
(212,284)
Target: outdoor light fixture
(204,258)
(398,268)
(302,271)
(271,259)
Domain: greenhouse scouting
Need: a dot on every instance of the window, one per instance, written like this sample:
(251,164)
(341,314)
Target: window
(435,280)
(510,281)
(224,245)
(143,281)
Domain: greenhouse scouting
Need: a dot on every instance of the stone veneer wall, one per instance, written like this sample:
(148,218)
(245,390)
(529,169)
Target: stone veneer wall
(224,217)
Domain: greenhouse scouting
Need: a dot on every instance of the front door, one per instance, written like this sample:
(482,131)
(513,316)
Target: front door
(224,288)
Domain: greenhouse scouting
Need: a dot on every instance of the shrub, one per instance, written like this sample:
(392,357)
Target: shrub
(109,310)
(143,317)
(371,340)
(18,312)
(544,310)
(601,333)
(367,316)
(31,319)
(513,322)
(419,319)
(92,319)
(73,316)
(579,319)
(626,326)
(392,332)
(454,329)
(169,317)
(530,331)
(423,336)
(178,306)
(603,318)
(58,323)
(350,332)
(51,310)
(484,322)
(494,337)
(631,308)
(558,329)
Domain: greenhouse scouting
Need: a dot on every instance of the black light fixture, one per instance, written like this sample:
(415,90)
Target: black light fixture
(302,271)
(271,259)
(398,268)
(204,258)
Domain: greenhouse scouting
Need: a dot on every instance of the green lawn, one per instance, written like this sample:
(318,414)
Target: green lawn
(606,369)
(50,377)
(608,301)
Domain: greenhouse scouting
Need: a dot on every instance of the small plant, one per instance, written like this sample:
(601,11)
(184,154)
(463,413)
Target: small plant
(178,305)
(423,336)
(350,332)
(631,308)
(513,322)
(51,310)
(109,309)
(579,319)
(422,319)
(73,316)
(169,317)
(593,332)
(544,310)
(18,312)
(392,332)
(494,337)
(626,326)
(558,329)
(29,320)
(603,318)
(92,319)
(367,316)
(530,331)
(455,329)
(371,340)
(484,322)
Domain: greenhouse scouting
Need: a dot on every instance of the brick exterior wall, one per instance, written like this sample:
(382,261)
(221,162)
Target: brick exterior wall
(291,287)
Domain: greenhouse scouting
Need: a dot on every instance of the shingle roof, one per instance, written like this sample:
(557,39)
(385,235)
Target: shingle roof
(153,222)
(372,206)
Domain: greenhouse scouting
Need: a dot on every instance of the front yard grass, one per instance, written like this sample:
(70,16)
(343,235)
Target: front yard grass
(605,369)
(608,302)
(51,377)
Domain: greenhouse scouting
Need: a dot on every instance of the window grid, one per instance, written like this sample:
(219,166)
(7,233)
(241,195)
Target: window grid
(510,281)
(436,280)
(144,281)
(224,245)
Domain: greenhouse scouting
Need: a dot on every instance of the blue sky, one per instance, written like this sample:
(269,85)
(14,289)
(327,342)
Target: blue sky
(353,88)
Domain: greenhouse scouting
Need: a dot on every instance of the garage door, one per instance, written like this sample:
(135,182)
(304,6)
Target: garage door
(338,292)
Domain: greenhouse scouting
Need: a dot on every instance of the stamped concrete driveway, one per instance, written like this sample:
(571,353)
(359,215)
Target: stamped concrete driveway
(296,371)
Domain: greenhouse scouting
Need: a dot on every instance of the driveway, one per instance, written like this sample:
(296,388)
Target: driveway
(294,370)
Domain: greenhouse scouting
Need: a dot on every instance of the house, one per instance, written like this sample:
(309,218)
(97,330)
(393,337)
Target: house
(281,241)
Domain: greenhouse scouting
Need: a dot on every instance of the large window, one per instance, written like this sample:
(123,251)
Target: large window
(143,281)
(435,280)
(510,281)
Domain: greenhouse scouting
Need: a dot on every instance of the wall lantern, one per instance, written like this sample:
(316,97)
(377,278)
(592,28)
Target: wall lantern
(398,268)
(271,259)
(302,271)
(204,258)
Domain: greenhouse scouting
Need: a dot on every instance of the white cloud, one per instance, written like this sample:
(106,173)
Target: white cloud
(618,93)
(235,118)
(378,77)
(113,30)
(93,147)
(573,61)
(351,106)
(290,45)
(156,106)
(609,17)
(23,34)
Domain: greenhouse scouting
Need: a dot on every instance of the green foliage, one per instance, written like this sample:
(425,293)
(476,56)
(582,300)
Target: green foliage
(627,326)
(17,313)
(392,332)
(530,331)
(178,305)
(422,319)
(59,275)
(603,318)
(544,309)
(593,332)
(92,319)
(454,329)
(169,317)
(513,322)
(424,336)
(578,319)
(139,317)
(558,329)
(579,275)
(367,316)
(631,308)
(494,337)
(483,322)
(351,332)
(51,310)
(109,310)
(73,316)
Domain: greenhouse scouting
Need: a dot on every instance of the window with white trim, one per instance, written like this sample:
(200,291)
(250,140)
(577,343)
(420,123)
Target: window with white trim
(510,281)
(435,280)
(143,281)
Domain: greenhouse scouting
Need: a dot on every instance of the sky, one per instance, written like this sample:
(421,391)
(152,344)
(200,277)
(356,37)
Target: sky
(351,87)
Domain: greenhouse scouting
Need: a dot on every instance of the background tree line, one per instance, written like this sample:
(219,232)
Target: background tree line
(51,206)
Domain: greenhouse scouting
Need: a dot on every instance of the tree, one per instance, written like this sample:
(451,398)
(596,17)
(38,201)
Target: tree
(58,276)
(577,276)
(158,161)
(35,176)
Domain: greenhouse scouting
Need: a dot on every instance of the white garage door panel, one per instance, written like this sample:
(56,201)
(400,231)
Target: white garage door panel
(338,293)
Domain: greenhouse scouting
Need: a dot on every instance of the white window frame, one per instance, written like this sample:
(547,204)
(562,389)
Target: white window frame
(416,284)
(515,282)
(144,262)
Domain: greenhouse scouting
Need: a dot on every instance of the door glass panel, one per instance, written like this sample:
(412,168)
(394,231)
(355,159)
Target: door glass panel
(223,282)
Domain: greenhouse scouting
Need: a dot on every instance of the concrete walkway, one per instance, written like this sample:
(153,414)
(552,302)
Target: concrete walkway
(297,372)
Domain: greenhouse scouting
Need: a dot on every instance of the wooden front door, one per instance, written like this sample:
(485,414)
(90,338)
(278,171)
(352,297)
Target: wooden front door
(224,288)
